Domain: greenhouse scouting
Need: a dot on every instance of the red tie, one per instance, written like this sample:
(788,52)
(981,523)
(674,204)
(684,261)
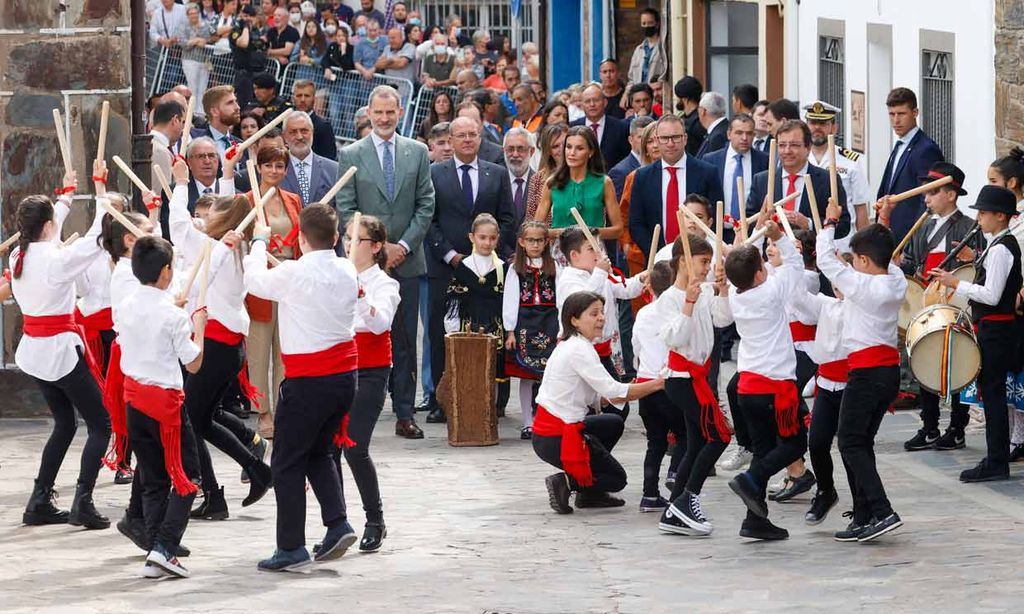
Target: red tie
(671,206)
(791,188)
(594,127)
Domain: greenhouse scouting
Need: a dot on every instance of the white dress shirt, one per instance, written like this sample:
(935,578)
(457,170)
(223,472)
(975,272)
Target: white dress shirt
(218,137)
(906,138)
(939,221)
(693,335)
(155,336)
(123,283)
(93,286)
(762,322)
(46,287)
(728,184)
(316,297)
(376,309)
(873,301)
(829,314)
(572,280)
(997,262)
(510,298)
(574,380)
(650,354)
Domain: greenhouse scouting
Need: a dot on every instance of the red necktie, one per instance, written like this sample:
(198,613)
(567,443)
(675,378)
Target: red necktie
(671,206)
(791,188)
(595,127)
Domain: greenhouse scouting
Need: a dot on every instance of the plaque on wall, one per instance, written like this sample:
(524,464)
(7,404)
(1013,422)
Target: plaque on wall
(858,120)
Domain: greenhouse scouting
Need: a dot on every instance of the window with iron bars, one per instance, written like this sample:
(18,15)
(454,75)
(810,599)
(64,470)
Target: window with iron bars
(491,15)
(937,99)
(832,77)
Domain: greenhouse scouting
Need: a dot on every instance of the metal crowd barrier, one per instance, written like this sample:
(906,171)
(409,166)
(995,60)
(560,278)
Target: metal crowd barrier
(168,72)
(424,100)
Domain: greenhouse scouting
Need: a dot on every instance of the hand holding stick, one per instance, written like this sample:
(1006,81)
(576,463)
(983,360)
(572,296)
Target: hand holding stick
(781,213)
(121,219)
(758,234)
(340,183)
(921,189)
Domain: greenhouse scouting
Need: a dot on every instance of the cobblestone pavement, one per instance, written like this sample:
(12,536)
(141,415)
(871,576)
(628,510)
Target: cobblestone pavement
(470,531)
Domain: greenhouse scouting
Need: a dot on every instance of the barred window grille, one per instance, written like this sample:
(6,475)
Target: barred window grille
(495,16)
(937,99)
(831,77)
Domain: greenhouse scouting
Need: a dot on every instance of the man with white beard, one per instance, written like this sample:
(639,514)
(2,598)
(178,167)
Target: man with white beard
(519,149)
(309,175)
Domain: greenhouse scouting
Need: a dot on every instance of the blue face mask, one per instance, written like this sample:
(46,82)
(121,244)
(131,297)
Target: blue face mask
(416,21)
(361,31)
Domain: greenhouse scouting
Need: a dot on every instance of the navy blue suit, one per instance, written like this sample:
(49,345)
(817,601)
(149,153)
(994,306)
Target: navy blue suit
(614,139)
(915,161)
(758,163)
(620,171)
(822,191)
(647,206)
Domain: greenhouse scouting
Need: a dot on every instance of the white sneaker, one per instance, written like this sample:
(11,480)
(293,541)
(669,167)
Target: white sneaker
(167,563)
(738,458)
(152,571)
(778,483)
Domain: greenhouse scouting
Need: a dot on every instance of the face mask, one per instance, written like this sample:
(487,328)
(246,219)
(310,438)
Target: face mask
(330,30)
(295,18)
(650,31)
(458,31)
(440,49)
(361,31)
(416,21)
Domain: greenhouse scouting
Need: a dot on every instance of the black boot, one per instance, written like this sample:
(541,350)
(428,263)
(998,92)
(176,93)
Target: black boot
(83,512)
(213,507)
(41,508)
(260,481)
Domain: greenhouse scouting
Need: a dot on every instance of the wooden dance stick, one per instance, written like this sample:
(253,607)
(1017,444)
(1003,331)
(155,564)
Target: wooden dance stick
(773,154)
(161,179)
(256,211)
(62,141)
(186,133)
(743,208)
(252,140)
(690,215)
(204,282)
(101,147)
(273,261)
(340,183)
(685,240)
(121,219)
(781,213)
(130,174)
(586,230)
(921,189)
(719,227)
(74,237)
(654,249)
(756,236)
(11,240)
(353,233)
(812,200)
(910,233)
(254,183)
(833,175)
(194,271)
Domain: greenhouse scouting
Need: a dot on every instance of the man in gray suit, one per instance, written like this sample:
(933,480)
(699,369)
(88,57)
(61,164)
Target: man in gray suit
(393,184)
(309,175)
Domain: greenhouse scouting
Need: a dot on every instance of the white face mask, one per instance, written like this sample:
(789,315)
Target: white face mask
(295,18)
(440,49)
(330,30)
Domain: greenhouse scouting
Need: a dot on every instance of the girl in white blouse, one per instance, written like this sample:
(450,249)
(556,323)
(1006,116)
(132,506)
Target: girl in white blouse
(565,434)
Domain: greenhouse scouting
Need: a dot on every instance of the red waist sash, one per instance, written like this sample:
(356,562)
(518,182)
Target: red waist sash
(575,455)
(340,358)
(604,349)
(113,400)
(837,370)
(51,326)
(802,332)
(164,406)
(374,350)
(787,399)
(874,356)
(705,395)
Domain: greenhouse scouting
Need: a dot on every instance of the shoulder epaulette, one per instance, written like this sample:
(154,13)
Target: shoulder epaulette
(849,153)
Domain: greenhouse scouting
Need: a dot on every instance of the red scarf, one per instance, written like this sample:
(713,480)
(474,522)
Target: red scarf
(222,334)
(341,438)
(374,350)
(575,454)
(874,356)
(837,370)
(802,332)
(340,358)
(709,409)
(164,406)
(787,400)
(51,326)
(113,399)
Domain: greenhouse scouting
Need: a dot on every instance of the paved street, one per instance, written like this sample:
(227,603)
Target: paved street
(471,531)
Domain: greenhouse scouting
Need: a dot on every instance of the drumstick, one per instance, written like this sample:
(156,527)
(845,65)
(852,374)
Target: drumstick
(719,223)
(654,249)
(186,133)
(685,240)
(62,141)
(756,236)
(130,174)
(11,240)
(812,200)
(773,152)
(194,271)
(74,236)
(921,189)
(690,215)
(254,183)
(259,133)
(910,233)
(121,219)
(833,175)
(255,212)
(340,183)
(101,146)
(161,179)
(781,213)
(586,229)
(743,207)
(353,240)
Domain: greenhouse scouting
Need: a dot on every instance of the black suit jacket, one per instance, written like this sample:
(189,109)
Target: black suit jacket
(193,196)
(915,162)
(620,171)
(822,191)
(489,152)
(716,139)
(323,138)
(647,206)
(614,139)
(450,227)
(920,245)
(758,163)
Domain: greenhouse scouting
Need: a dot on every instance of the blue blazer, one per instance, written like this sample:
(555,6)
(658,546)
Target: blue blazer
(620,171)
(647,206)
(758,163)
(614,140)
(915,162)
(822,191)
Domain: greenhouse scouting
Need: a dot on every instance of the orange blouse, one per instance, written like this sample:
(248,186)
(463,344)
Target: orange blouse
(262,310)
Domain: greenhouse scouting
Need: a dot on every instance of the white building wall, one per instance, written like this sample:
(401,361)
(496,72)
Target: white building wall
(973,63)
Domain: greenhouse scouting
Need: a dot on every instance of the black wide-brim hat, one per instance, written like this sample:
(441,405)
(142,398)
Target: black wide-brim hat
(946,169)
(997,199)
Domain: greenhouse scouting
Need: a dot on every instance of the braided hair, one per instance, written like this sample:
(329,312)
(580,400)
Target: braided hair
(33,214)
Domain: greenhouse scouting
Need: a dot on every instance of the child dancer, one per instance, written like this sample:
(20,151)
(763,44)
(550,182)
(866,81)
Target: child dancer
(530,315)
(155,335)
(316,297)
(690,311)
(54,352)
(873,290)
(564,434)
(375,309)
(660,416)
(591,271)
(766,386)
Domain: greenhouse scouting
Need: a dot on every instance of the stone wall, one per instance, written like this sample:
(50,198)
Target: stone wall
(48,60)
(1009,44)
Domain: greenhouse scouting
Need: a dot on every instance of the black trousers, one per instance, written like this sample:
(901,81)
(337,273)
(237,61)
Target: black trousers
(203,390)
(704,442)
(739,423)
(867,397)
(824,425)
(998,341)
(660,416)
(366,408)
(772,452)
(437,288)
(403,345)
(609,366)
(626,320)
(76,390)
(165,511)
(309,413)
(958,417)
(601,433)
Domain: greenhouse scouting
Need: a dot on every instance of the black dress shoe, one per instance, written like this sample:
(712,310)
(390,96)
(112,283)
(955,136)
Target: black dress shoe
(436,416)
(558,492)
(746,490)
(373,537)
(428,404)
(794,487)
(407,427)
(213,507)
(761,528)
(591,499)
(261,479)
(820,506)
(986,471)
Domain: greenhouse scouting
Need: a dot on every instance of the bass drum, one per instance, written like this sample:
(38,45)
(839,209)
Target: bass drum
(913,302)
(963,273)
(943,363)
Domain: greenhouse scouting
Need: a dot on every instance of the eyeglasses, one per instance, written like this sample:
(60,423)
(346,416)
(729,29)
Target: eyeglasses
(670,138)
(465,135)
(791,145)
(347,239)
(534,241)
(206,156)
